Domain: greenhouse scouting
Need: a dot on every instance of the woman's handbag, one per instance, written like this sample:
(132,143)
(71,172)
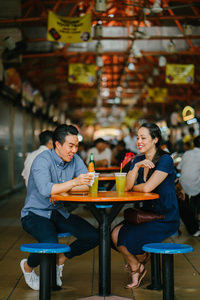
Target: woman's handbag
(139,216)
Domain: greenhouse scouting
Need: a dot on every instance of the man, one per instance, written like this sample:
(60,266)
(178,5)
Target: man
(102,154)
(53,172)
(190,173)
(190,137)
(46,142)
(130,141)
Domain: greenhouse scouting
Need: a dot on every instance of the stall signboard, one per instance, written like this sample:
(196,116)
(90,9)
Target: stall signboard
(159,95)
(69,30)
(179,74)
(87,95)
(13,80)
(81,73)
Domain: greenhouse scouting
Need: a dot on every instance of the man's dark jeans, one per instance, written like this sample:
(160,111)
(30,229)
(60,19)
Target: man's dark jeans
(45,231)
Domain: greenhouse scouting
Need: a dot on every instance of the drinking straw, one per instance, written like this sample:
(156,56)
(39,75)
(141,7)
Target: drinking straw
(121,168)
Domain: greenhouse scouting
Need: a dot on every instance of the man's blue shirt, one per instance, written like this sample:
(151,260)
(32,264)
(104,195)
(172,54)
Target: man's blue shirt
(47,169)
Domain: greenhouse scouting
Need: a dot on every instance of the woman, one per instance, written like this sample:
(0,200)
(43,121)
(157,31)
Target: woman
(154,172)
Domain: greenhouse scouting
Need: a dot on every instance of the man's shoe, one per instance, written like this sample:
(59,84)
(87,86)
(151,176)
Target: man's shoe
(197,233)
(59,270)
(32,280)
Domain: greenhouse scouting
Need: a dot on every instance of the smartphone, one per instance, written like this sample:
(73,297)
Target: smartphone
(78,193)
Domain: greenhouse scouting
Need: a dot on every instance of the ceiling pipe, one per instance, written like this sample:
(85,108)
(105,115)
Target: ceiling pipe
(103,18)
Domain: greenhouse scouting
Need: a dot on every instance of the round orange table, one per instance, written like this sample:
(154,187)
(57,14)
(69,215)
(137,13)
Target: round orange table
(104,218)
(106,177)
(107,169)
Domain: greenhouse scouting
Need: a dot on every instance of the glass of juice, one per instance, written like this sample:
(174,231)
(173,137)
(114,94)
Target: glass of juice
(94,188)
(120,179)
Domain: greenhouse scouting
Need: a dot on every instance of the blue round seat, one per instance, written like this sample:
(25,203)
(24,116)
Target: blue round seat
(63,234)
(47,253)
(166,250)
(45,248)
(103,206)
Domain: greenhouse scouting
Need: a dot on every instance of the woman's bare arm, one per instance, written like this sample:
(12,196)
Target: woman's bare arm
(156,178)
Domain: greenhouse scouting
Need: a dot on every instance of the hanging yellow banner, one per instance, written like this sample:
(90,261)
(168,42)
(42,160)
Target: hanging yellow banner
(87,95)
(69,30)
(80,73)
(157,95)
(179,74)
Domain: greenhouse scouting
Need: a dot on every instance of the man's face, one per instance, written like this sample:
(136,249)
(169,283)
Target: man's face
(68,149)
(101,146)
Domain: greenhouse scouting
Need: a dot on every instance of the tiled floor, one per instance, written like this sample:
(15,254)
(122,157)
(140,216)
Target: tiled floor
(80,275)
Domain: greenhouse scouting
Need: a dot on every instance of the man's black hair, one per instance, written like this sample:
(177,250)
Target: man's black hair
(62,131)
(45,137)
(99,140)
(197,141)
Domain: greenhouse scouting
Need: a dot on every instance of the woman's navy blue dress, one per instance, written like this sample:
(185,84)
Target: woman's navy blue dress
(133,237)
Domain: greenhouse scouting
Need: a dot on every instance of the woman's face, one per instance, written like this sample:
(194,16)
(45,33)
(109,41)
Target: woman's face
(145,143)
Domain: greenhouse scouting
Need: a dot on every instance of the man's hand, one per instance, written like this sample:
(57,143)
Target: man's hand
(84,179)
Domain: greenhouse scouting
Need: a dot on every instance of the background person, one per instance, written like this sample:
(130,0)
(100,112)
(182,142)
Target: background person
(190,137)
(154,172)
(189,167)
(130,141)
(102,154)
(53,172)
(46,143)
(118,153)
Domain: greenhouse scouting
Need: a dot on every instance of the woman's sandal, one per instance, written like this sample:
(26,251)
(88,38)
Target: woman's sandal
(141,276)
(147,259)
(144,262)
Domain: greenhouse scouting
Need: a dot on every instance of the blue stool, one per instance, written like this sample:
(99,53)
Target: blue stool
(47,252)
(103,206)
(175,234)
(167,250)
(54,286)
(63,234)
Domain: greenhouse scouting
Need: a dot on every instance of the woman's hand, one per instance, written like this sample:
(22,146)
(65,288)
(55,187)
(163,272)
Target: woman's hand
(146,163)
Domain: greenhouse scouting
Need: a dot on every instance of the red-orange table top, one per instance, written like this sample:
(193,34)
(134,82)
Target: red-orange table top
(107,169)
(106,176)
(102,197)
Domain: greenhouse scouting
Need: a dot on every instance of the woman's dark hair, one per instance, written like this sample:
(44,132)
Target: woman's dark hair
(62,131)
(155,132)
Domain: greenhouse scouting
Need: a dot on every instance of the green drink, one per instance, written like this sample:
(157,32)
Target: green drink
(120,179)
(94,188)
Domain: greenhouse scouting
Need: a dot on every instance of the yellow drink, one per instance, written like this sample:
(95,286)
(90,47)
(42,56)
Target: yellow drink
(94,188)
(120,179)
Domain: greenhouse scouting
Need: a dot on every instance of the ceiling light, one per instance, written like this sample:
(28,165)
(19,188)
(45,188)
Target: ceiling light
(137,52)
(162,61)
(146,10)
(99,48)
(156,7)
(150,80)
(171,47)
(98,30)
(119,88)
(100,5)
(187,29)
(99,61)
(131,67)
(125,84)
(155,72)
